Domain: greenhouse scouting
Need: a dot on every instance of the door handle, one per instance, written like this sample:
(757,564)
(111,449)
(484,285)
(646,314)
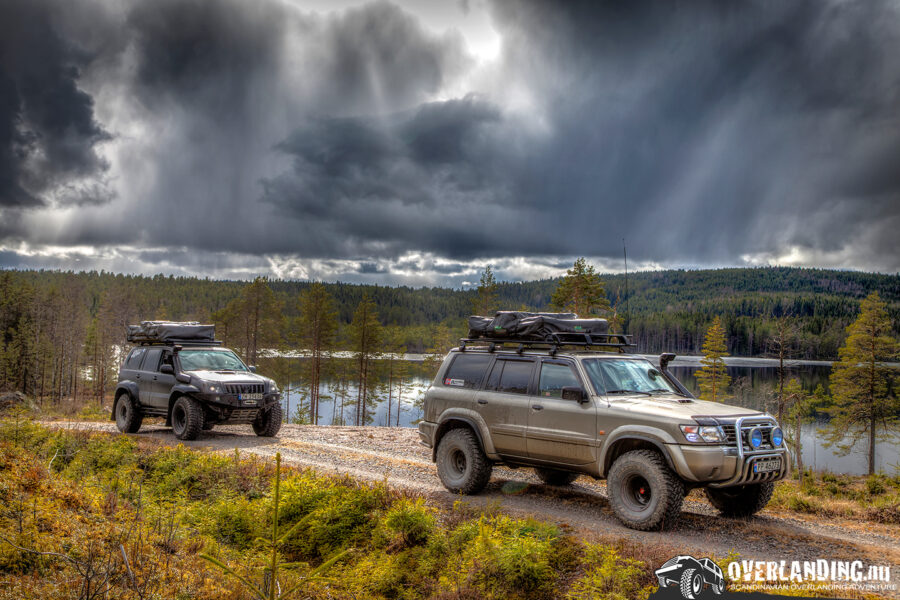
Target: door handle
(482,401)
(537,407)
(154,378)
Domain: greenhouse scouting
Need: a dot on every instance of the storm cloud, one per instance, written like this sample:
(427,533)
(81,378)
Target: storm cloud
(365,142)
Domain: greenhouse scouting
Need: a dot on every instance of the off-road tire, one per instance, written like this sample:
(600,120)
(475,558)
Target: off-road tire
(555,477)
(644,492)
(718,588)
(461,464)
(691,584)
(268,421)
(187,418)
(128,414)
(741,500)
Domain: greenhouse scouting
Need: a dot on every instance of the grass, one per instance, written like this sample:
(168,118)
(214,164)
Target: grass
(92,515)
(874,498)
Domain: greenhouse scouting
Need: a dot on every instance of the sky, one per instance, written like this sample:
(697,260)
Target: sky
(416,142)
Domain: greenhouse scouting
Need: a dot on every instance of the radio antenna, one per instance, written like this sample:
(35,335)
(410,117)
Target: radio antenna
(627,312)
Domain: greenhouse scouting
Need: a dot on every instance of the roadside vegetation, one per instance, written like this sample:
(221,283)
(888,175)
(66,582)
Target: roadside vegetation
(95,516)
(873,498)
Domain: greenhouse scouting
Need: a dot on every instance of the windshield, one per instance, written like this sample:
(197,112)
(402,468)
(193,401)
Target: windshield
(211,360)
(622,376)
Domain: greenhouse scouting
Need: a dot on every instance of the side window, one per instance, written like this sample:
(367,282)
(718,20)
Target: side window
(151,359)
(134,359)
(467,370)
(515,377)
(556,376)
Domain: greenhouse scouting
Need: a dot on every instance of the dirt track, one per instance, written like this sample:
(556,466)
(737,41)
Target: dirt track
(396,457)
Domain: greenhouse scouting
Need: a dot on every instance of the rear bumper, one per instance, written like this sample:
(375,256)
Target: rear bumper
(426,433)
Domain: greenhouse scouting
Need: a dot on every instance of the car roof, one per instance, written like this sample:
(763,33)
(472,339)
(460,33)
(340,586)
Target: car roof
(543,353)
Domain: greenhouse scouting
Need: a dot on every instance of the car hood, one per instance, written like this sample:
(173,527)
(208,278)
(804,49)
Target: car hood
(228,376)
(677,407)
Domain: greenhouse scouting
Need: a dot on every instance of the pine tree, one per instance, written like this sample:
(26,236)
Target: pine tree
(366,334)
(581,291)
(712,377)
(316,331)
(487,298)
(862,386)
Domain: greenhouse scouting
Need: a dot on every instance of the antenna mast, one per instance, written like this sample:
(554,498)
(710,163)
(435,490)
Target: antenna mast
(627,312)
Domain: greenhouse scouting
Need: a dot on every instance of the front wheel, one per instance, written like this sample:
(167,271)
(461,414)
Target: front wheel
(461,464)
(187,418)
(128,415)
(741,500)
(268,421)
(643,491)
(691,584)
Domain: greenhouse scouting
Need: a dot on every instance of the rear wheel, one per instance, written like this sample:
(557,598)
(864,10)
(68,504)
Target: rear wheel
(461,464)
(643,491)
(128,415)
(187,418)
(555,477)
(741,500)
(268,421)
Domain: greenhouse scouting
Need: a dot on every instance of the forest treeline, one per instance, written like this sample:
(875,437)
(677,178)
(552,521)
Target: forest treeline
(54,324)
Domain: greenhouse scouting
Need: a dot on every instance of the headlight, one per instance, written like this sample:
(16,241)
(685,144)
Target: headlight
(703,433)
(212,388)
(273,387)
(777,436)
(755,438)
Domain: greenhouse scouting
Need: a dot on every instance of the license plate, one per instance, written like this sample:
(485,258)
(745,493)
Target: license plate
(767,466)
(250,398)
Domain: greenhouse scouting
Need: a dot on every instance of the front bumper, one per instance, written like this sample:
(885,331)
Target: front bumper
(228,408)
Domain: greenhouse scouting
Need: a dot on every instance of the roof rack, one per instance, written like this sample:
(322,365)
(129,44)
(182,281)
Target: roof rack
(555,341)
(178,342)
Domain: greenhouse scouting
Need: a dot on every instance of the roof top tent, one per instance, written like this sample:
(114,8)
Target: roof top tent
(171,332)
(553,329)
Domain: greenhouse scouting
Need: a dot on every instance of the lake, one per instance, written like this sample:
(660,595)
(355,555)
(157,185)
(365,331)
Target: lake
(753,387)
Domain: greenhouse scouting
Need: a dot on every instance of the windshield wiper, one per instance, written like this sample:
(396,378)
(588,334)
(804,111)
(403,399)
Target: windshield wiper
(628,392)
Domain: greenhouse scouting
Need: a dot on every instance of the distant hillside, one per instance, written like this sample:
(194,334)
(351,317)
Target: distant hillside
(665,310)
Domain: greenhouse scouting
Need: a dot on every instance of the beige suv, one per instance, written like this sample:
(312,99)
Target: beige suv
(569,411)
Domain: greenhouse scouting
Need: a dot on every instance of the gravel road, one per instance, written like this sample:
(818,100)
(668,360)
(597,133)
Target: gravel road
(395,456)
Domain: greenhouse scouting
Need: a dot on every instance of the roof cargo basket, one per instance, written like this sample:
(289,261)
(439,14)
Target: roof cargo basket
(533,330)
(170,332)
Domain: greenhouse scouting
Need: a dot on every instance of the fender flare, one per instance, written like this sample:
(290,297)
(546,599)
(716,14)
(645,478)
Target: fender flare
(124,387)
(637,436)
(183,389)
(444,426)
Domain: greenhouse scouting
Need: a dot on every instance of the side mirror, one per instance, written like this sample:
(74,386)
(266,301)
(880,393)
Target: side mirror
(183,378)
(167,370)
(252,368)
(572,392)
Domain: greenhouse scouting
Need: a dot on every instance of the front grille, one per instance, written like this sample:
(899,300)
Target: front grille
(730,436)
(245,388)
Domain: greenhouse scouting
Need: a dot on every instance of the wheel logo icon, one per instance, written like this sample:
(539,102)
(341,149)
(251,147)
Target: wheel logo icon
(691,576)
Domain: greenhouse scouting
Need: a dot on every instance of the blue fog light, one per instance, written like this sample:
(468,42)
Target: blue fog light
(777,436)
(755,438)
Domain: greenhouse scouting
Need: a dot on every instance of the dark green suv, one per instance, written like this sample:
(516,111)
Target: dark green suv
(573,410)
(193,386)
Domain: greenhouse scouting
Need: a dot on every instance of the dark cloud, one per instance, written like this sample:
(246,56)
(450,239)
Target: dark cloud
(704,132)
(48,132)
